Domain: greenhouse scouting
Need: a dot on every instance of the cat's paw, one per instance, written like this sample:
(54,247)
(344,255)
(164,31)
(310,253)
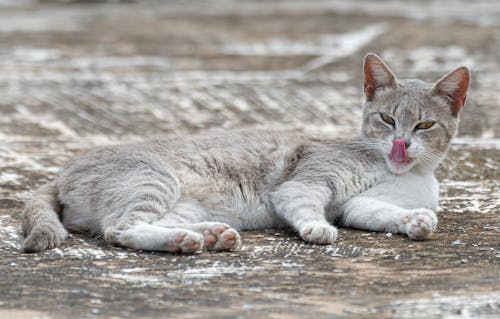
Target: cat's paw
(221,237)
(317,232)
(420,224)
(44,237)
(185,242)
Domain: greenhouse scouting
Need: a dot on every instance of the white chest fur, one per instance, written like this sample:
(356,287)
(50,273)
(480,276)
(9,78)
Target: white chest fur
(409,190)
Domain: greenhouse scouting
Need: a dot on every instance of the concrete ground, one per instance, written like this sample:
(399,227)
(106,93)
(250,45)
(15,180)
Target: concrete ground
(75,74)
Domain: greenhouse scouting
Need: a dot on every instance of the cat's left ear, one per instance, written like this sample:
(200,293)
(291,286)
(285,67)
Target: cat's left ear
(453,87)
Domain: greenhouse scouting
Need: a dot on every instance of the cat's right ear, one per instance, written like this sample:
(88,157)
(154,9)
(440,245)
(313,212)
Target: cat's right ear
(377,75)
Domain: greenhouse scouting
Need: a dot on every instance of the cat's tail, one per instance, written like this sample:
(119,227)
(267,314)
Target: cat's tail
(41,225)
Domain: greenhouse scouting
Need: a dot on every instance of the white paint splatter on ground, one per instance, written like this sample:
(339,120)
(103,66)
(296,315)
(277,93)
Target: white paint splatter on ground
(194,275)
(9,235)
(478,306)
(483,143)
(437,59)
(328,47)
(471,197)
(82,253)
(214,271)
(135,269)
(141,280)
(484,13)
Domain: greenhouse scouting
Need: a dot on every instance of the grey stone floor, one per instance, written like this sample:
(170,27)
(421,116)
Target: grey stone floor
(75,74)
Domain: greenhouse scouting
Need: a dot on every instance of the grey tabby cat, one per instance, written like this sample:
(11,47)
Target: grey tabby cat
(189,193)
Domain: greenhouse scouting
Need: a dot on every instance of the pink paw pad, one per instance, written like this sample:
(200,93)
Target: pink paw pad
(184,243)
(219,229)
(228,236)
(210,239)
(421,224)
(179,238)
(221,238)
(319,233)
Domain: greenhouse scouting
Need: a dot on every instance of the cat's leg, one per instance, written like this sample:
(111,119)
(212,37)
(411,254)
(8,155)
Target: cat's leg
(144,197)
(303,207)
(373,214)
(190,215)
(145,236)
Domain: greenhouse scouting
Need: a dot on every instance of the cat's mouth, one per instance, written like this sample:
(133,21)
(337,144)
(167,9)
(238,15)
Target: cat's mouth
(407,161)
(398,152)
(399,161)
(399,167)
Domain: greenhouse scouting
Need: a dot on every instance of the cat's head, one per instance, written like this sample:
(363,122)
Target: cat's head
(413,120)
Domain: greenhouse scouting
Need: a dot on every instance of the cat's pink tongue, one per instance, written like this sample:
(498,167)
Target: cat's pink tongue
(398,152)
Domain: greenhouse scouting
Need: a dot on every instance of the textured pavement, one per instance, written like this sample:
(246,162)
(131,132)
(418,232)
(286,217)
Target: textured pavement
(76,75)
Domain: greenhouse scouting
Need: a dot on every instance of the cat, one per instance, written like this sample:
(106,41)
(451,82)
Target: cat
(188,193)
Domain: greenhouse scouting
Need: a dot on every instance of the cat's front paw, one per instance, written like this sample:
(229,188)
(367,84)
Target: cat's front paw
(318,233)
(420,224)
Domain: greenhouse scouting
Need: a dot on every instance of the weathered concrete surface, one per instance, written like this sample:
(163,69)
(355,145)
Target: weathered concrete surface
(77,75)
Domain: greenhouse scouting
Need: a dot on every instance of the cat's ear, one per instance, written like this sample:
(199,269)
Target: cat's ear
(453,87)
(377,75)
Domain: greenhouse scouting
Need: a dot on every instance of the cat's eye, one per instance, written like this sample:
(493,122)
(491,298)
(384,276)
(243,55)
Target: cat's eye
(425,125)
(386,118)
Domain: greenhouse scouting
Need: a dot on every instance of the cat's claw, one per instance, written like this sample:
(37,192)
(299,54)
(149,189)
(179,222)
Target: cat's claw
(221,237)
(318,233)
(420,224)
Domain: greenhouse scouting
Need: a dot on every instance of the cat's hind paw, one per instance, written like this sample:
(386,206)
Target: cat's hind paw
(216,236)
(185,242)
(317,232)
(44,237)
(221,237)
(420,224)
